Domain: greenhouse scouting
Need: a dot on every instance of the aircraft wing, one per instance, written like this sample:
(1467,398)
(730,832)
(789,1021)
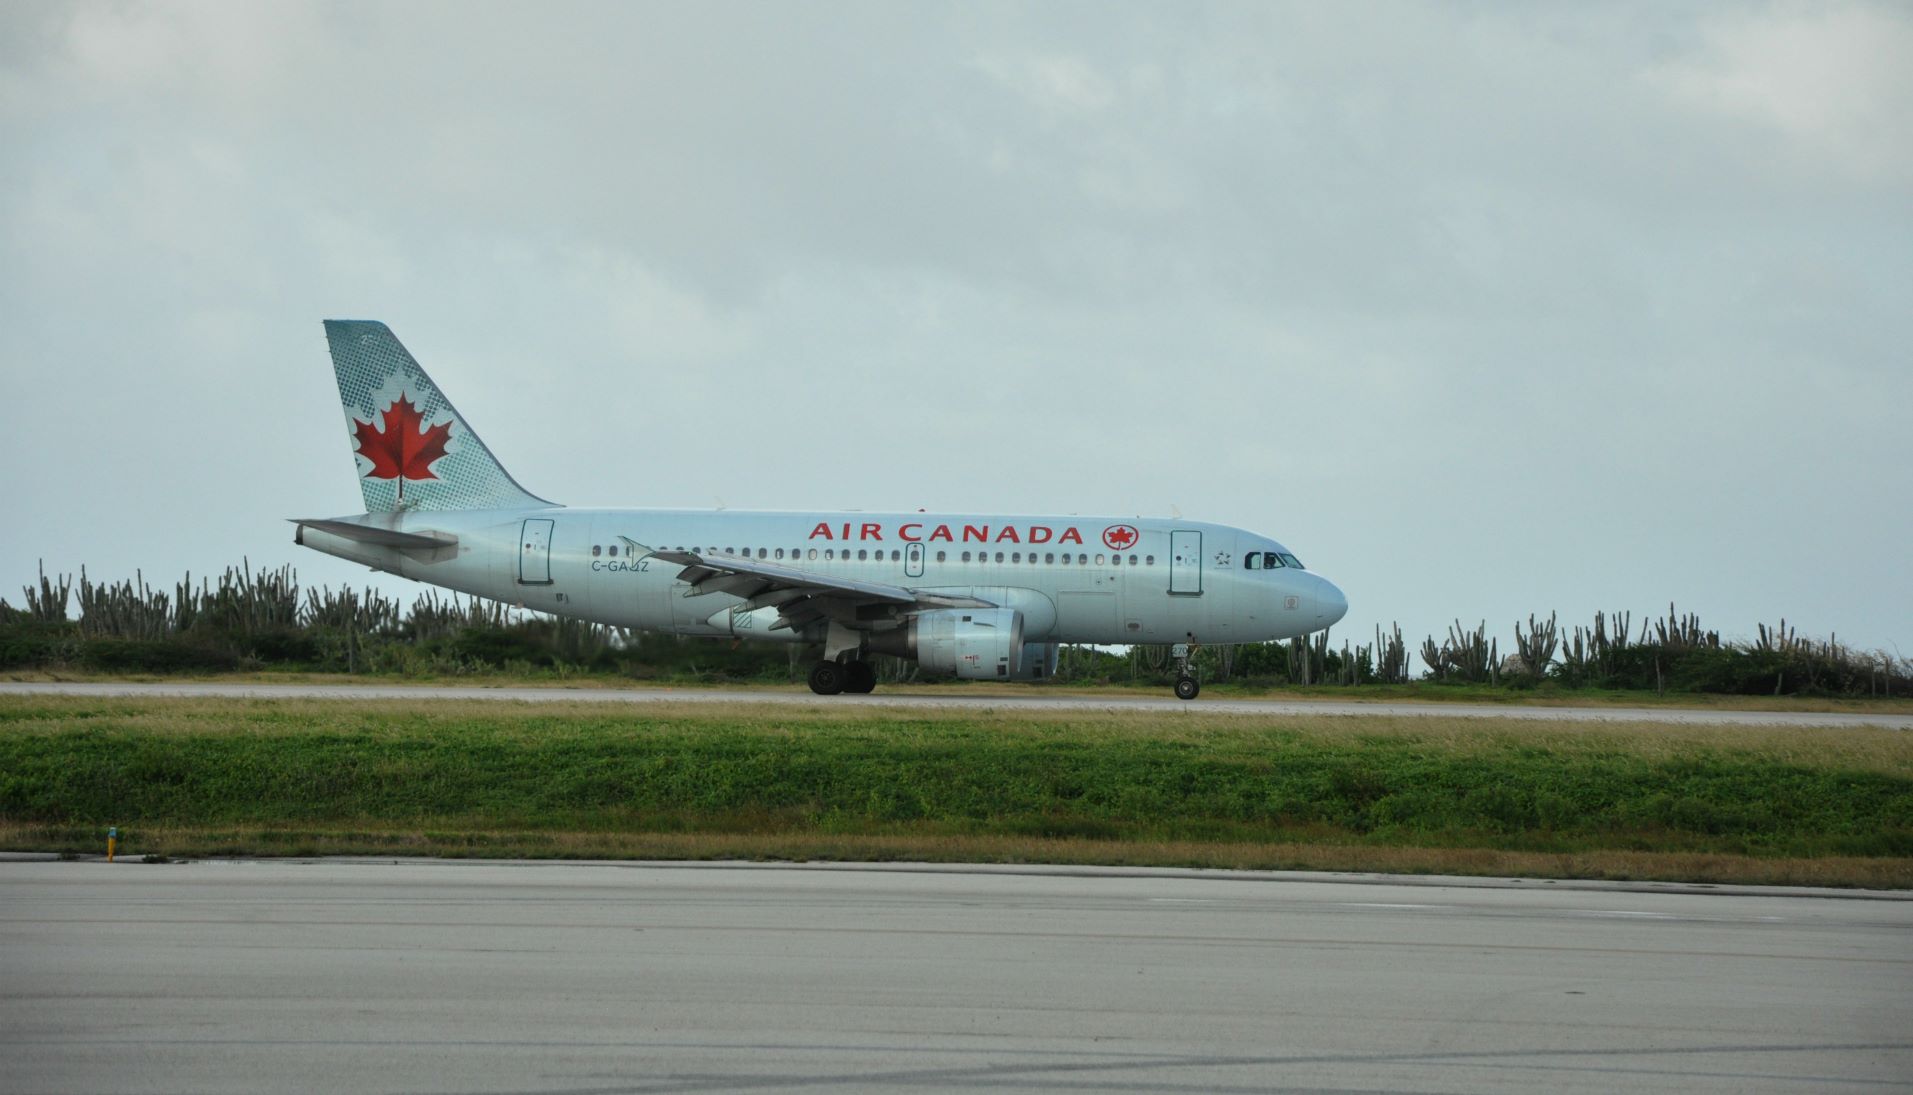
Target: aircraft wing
(800,596)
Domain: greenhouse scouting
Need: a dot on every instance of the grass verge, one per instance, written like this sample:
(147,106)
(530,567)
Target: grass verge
(186,777)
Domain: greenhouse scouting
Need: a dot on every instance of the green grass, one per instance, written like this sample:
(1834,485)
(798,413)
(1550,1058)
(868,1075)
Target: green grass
(192,776)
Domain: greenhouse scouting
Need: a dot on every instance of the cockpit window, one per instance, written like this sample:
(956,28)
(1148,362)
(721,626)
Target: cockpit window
(1271,561)
(1252,560)
(1293,561)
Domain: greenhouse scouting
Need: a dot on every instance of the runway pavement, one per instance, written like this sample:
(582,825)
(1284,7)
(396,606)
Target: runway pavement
(1032,700)
(422,976)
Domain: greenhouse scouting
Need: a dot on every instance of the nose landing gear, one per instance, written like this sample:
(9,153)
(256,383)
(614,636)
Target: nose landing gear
(1187,687)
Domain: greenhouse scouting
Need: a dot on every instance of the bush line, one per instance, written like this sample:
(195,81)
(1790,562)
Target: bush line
(264,619)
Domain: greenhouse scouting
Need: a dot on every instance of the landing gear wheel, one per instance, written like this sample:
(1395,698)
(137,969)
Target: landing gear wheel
(1186,688)
(826,678)
(859,677)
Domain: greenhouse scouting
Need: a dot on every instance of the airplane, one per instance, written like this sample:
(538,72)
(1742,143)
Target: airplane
(971,595)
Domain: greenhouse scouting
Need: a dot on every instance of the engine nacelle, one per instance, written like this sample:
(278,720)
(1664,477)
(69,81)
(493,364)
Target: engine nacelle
(1039,661)
(978,644)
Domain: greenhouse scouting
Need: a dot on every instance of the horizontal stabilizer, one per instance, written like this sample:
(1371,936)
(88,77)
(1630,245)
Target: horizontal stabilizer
(380,537)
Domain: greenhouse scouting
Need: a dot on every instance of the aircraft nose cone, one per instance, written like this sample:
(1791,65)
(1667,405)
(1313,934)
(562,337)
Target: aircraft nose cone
(1330,604)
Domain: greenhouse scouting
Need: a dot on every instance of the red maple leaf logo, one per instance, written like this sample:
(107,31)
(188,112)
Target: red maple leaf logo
(1119,537)
(403,447)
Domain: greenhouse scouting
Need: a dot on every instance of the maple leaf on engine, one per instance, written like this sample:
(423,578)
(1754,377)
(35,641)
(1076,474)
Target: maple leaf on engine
(404,447)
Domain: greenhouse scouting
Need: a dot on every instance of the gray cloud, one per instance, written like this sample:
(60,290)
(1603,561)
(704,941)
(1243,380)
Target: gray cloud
(1483,309)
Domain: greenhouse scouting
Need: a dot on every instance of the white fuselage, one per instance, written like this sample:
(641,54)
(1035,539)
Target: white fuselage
(1075,579)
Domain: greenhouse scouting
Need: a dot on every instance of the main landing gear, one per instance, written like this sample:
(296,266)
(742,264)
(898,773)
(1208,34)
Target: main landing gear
(830,678)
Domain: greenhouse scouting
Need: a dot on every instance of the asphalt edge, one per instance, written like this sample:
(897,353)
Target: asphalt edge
(1026,870)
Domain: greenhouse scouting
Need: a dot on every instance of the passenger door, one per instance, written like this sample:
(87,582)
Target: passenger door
(1185,562)
(534,552)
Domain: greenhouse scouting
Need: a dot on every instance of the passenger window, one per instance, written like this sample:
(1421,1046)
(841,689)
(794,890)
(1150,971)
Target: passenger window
(596,550)
(813,554)
(613,551)
(780,553)
(999,556)
(966,556)
(862,554)
(829,554)
(1115,560)
(895,555)
(1132,560)
(1016,556)
(1149,560)
(941,555)
(1082,560)
(1049,557)
(1099,558)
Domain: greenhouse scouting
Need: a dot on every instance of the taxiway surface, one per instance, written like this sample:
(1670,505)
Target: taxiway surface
(1031,700)
(430,976)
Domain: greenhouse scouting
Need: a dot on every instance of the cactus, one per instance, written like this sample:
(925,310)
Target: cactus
(1780,640)
(1535,649)
(1433,658)
(1683,632)
(350,612)
(1357,665)
(1472,656)
(248,604)
(432,617)
(1391,656)
(48,603)
(1464,655)
(124,610)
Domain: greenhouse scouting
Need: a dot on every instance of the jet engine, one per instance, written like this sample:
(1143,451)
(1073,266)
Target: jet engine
(972,643)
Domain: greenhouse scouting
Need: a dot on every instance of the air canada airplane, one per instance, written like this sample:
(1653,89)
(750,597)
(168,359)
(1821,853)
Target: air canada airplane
(976,596)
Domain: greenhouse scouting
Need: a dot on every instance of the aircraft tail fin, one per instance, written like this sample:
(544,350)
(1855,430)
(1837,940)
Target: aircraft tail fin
(412,449)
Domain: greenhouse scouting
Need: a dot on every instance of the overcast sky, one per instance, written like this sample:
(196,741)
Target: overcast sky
(1482,309)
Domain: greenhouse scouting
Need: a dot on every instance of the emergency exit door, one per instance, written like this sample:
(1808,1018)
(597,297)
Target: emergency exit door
(913,561)
(1185,562)
(534,552)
